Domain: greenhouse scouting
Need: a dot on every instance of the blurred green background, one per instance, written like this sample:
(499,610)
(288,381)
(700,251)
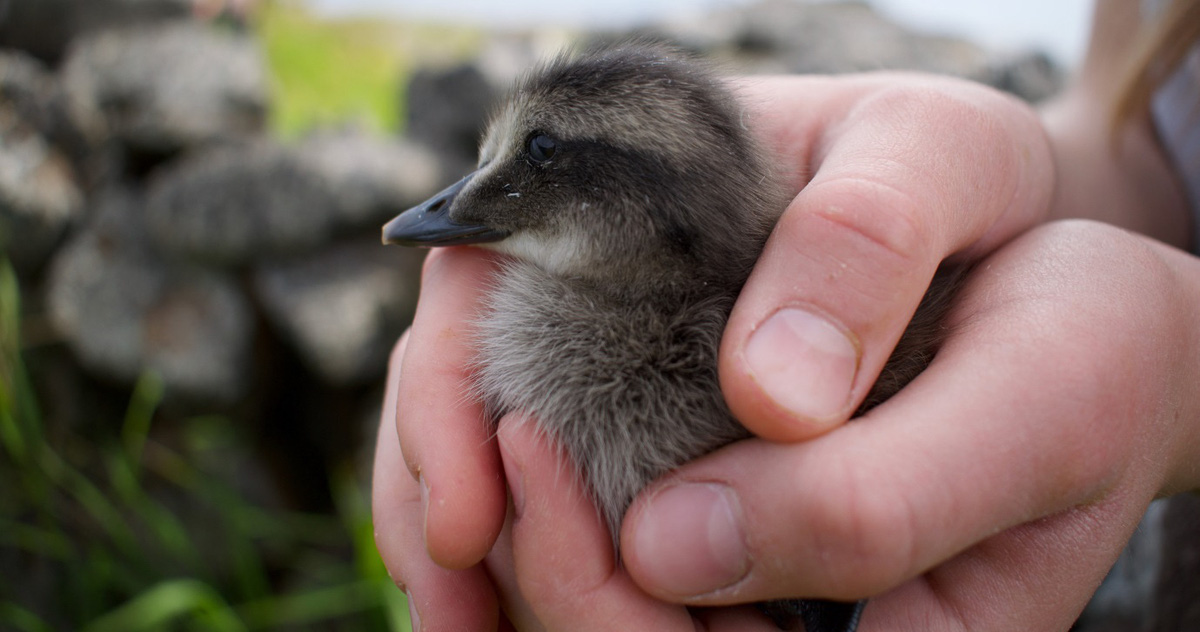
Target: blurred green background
(127,522)
(119,528)
(128,503)
(329,70)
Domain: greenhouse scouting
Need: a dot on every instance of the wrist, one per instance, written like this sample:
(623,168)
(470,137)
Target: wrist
(1125,181)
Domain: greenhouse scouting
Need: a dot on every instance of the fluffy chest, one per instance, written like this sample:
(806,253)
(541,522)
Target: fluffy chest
(629,389)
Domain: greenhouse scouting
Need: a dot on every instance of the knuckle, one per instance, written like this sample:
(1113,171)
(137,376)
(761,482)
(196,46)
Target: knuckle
(952,129)
(867,217)
(944,105)
(865,536)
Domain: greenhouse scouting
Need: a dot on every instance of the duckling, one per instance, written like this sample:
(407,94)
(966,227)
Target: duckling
(632,203)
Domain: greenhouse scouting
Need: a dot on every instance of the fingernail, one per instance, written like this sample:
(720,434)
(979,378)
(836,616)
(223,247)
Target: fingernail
(689,539)
(804,363)
(412,614)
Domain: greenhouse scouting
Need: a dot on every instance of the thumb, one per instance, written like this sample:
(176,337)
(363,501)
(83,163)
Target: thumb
(913,171)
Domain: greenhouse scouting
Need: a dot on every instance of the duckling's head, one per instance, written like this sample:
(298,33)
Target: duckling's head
(627,164)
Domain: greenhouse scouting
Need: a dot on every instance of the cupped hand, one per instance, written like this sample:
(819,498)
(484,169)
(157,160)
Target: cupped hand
(439,502)
(894,174)
(995,491)
(992,494)
(897,171)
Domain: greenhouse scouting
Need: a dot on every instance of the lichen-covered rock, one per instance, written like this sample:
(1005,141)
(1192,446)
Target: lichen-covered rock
(28,87)
(344,308)
(167,87)
(1031,76)
(447,111)
(38,194)
(370,179)
(236,204)
(123,309)
(777,36)
(46,27)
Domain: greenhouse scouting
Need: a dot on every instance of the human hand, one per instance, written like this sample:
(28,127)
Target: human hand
(439,506)
(554,548)
(870,144)
(992,493)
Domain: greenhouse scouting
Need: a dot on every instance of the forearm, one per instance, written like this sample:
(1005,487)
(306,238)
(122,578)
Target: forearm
(1126,180)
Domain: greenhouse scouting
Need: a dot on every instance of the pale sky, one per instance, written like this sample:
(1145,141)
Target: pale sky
(1059,26)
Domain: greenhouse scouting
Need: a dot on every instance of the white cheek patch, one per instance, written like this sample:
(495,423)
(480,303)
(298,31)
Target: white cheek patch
(498,138)
(559,254)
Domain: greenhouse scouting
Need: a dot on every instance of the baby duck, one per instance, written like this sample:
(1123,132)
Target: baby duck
(633,203)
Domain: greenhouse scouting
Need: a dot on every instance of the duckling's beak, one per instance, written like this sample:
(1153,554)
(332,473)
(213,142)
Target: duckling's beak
(428,224)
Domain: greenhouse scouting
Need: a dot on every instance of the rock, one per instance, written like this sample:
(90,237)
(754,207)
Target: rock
(1031,76)
(235,204)
(44,28)
(166,88)
(240,203)
(27,86)
(38,194)
(448,110)
(343,309)
(370,179)
(774,36)
(123,309)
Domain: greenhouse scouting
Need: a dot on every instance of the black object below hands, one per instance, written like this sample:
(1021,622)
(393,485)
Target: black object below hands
(818,615)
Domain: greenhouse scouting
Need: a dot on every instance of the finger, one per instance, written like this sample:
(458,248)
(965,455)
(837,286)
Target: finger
(444,436)
(1038,576)
(501,568)
(907,177)
(1020,416)
(562,554)
(440,599)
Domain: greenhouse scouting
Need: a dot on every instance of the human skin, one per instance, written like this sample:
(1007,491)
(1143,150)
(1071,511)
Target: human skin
(992,493)
(1014,536)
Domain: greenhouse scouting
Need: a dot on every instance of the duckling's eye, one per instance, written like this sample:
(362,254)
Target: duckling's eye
(541,148)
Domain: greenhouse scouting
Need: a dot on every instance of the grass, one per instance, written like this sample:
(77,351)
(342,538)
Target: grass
(328,72)
(136,523)
(124,531)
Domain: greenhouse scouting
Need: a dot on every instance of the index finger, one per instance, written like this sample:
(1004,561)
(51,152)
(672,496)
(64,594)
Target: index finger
(444,435)
(905,171)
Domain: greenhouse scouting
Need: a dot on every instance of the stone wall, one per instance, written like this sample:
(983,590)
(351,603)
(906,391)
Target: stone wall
(161,227)
(155,224)
(144,201)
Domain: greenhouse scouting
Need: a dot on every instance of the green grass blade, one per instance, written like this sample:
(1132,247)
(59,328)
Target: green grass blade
(14,617)
(395,606)
(310,607)
(167,602)
(37,541)
(147,395)
(96,503)
(19,417)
